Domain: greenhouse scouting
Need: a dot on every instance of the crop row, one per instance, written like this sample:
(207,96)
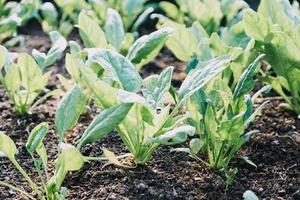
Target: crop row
(212,108)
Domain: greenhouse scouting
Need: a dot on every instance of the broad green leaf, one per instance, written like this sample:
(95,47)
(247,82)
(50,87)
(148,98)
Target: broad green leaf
(141,19)
(3,55)
(69,110)
(69,151)
(246,82)
(90,32)
(147,47)
(59,44)
(232,129)
(36,137)
(182,42)
(202,74)
(105,95)
(195,145)
(170,9)
(114,29)
(104,123)
(29,71)
(7,146)
(256,26)
(63,165)
(118,67)
(73,66)
(156,86)
(230,8)
(49,14)
(274,11)
(131,9)
(74,47)
(175,136)
(12,79)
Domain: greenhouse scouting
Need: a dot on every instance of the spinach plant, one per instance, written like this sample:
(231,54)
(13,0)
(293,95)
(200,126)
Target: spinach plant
(149,122)
(275,27)
(194,45)
(209,13)
(142,51)
(50,187)
(221,117)
(14,14)
(133,12)
(23,80)
(59,44)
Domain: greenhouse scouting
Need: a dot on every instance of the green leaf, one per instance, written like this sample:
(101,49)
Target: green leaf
(104,123)
(156,86)
(118,67)
(69,110)
(59,44)
(74,47)
(63,165)
(147,47)
(114,29)
(175,136)
(29,70)
(7,146)
(73,66)
(170,9)
(201,75)
(182,42)
(3,55)
(246,82)
(36,137)
(90,32)
(256,26)
(49,14)
(69,151)
(274,11)
(195,145)
(105,95)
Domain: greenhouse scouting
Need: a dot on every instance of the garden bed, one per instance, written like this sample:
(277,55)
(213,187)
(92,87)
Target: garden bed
(275,150)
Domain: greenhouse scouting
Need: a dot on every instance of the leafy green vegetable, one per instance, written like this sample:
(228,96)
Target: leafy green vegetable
(147,47)
(120,69)
(208,13)
(104,123)
(69,159)
(69,110)
(149,122)
(59,44)
(141,52)
(275,29)
(221,118)
(24,81)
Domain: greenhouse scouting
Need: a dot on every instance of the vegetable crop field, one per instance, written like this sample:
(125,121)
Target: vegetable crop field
(150,99)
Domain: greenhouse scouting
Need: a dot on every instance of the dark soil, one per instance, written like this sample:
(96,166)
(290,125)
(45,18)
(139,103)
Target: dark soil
(275,151)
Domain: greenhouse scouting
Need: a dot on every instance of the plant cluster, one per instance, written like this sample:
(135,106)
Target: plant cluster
(212,108)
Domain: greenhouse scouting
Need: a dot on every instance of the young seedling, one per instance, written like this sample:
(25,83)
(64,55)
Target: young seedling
(22,80)
(149,121)
(142,51)
(208,13)
(50,188)
(59,44)
(221,117)
(275,29)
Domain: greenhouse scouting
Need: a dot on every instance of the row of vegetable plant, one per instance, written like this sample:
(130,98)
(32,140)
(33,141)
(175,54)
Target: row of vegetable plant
(212,108)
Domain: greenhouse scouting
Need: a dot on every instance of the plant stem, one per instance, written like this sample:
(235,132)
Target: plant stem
(25,175)
(16,189)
